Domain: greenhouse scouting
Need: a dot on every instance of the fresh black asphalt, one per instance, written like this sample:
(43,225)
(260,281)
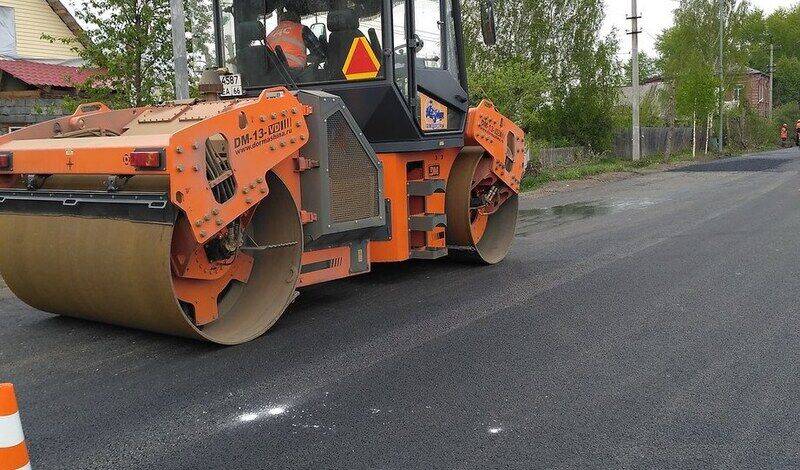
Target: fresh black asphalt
(646,323)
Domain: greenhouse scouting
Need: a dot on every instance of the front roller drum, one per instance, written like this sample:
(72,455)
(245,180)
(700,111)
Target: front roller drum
(473,232)
(119,271)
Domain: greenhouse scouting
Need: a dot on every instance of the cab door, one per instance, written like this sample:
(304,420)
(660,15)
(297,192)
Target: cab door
(439,99)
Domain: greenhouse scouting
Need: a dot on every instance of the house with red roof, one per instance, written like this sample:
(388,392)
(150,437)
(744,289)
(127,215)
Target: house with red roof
(35,74)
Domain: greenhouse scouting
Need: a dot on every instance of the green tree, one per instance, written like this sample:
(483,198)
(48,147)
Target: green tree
(200,25)
(787,80)
(782,30)
(130,43)
(695,90)
(690,55)
(553,50)
(648,68)
(516,89)
(580,111)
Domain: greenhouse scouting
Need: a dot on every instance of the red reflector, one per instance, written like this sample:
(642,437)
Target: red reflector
(5,161)
(147,159)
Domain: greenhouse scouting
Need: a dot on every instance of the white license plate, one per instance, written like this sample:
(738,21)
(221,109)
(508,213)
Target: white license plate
(231,85)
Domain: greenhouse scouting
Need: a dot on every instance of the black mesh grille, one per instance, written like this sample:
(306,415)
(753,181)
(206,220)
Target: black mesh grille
(354,178)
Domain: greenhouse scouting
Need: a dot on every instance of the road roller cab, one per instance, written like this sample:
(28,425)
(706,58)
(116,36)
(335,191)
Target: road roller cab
(397,65)
(203,218)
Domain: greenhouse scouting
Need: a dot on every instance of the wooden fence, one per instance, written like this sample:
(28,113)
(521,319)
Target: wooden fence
(556,157)
(654,141)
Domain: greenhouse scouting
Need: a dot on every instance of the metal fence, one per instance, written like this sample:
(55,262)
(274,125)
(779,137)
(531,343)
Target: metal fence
(654,141)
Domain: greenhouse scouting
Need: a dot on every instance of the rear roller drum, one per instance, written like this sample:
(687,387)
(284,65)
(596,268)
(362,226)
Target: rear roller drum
(481,210)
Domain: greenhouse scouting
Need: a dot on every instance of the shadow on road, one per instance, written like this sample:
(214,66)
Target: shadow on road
(313,309)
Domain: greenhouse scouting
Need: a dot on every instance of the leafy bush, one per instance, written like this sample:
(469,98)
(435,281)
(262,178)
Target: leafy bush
(746,130)
(514,88)
(787,114)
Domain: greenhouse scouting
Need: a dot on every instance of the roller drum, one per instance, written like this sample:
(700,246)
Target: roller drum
(484,239)
(118,271)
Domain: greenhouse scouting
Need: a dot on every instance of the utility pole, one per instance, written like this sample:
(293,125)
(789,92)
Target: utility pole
(771,77)
(178,19)
(636,152)
(721,69)
(694,135)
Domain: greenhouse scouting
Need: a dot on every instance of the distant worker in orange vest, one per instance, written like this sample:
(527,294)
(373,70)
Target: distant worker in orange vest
(288,34)
(797,133)
(784,134)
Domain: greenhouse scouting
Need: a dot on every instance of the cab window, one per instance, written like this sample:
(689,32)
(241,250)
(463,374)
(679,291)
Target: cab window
(428,33)
(451,55)
(400,46)
(271,43)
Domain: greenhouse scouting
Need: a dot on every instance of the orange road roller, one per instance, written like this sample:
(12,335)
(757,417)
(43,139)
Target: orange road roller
(330,135)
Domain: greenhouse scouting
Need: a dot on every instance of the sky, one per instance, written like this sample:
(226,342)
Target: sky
(656,16)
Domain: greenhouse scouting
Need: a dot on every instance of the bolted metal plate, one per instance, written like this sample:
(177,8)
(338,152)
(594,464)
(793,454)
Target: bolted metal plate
(157,115)
(205,110)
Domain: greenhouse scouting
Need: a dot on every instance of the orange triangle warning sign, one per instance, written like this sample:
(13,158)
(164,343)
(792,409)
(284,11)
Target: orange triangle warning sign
(361,62)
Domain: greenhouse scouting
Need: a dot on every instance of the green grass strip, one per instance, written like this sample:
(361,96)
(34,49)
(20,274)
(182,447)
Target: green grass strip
(595,167)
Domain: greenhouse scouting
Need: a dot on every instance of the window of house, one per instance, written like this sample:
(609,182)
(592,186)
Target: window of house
(8,32)
(737,93)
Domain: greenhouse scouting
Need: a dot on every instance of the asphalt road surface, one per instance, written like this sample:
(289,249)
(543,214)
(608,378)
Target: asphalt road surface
(650,322)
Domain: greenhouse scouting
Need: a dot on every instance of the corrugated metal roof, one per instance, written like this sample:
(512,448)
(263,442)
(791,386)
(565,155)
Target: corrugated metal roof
(39,74)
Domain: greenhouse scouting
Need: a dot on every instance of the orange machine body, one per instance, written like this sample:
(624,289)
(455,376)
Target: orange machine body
(486,127)
(274,120)
(260,136)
